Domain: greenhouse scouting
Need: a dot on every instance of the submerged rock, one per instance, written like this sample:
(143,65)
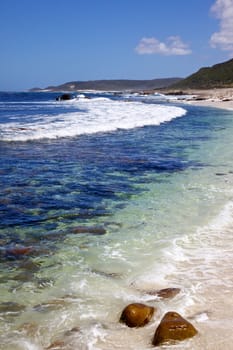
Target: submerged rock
(24,276)
(72,331)
(94,230)
(44,282)
(17,252)
(172,328)
(66,342)
(220,174)
(137,315)
(168,293)
(51,305)
(57,344)
(29,328)
(165,293)
(29,265)
(107,274)
(11,307)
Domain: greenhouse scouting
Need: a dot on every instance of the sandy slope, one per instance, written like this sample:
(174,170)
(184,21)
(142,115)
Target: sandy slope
(219,98)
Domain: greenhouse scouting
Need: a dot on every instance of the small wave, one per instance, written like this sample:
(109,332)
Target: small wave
(92,116)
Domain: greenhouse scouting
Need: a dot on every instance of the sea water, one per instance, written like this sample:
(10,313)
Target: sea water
(105,198)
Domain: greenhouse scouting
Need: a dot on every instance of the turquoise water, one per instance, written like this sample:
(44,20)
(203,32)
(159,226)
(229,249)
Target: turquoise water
(107,217)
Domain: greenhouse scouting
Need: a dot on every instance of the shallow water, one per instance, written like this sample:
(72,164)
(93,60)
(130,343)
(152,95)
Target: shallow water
(107,217)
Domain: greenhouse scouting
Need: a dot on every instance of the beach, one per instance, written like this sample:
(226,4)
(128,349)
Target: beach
(218,98)
(105,201)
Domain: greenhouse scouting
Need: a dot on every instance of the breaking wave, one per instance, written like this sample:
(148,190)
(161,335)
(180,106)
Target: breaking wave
(86,116)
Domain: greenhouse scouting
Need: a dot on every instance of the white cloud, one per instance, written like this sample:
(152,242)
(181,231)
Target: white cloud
(223,39)
(172,46)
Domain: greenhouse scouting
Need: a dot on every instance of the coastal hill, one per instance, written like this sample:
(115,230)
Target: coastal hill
(218,76)
(113,85)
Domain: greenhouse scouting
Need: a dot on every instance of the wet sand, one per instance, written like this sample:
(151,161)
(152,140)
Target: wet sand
(216,328)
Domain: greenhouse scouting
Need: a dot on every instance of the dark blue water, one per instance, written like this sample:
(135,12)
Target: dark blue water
(87,177)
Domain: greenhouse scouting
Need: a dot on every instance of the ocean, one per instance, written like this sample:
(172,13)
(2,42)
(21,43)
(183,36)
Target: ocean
(106,199)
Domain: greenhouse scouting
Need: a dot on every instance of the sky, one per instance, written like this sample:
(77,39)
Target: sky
(50,42)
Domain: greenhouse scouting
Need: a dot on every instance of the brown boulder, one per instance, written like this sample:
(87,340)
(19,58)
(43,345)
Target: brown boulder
(137,315)
(172,328)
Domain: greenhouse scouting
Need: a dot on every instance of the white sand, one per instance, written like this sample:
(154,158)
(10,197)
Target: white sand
(218,98)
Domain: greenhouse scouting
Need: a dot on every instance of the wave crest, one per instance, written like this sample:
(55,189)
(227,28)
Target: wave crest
(92,116)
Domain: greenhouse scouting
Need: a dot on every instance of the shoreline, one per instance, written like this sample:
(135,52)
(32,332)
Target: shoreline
(215,104)
(216,98)
(165,228)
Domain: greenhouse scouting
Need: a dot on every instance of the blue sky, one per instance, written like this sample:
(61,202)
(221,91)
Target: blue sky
(50,42)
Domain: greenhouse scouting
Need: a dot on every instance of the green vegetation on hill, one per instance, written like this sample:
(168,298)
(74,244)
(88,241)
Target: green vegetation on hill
(218,76)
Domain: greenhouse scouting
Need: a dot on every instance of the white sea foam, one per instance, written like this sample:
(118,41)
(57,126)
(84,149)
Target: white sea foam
(92,116)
